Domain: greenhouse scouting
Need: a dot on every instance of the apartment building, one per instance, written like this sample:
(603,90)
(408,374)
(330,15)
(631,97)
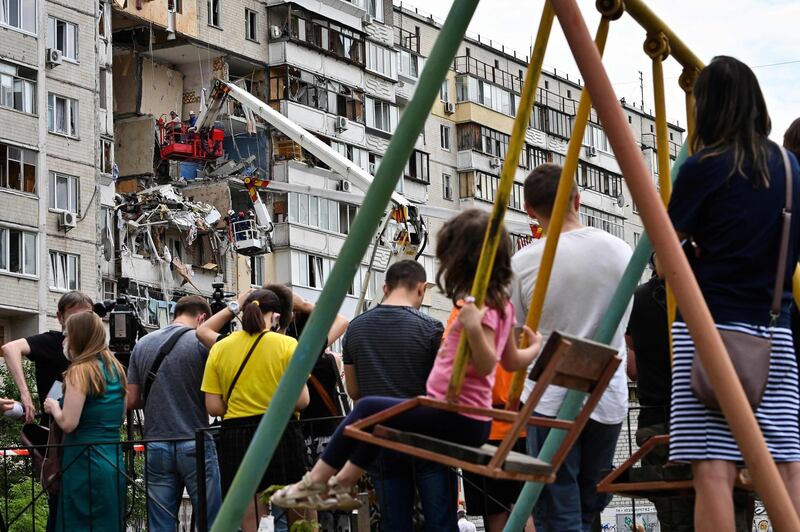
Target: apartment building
(56,157)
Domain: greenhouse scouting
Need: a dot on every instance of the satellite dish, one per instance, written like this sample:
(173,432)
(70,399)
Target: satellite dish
(621,200)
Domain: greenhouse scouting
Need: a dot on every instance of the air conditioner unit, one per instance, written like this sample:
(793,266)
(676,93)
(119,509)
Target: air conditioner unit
(275,32)
(67,220)
(344,185)
(494,162)
(372,168)
(591,151)
(449,107)
(341,123)
(367,19)
(53,57)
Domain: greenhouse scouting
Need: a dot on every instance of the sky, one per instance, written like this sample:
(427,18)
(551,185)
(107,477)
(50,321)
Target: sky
(765,34)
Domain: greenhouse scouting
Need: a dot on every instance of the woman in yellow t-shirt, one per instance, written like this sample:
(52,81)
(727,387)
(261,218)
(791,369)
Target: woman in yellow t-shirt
(241,375)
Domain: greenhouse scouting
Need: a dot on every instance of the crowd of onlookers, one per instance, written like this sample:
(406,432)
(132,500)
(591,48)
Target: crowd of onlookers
(726,205)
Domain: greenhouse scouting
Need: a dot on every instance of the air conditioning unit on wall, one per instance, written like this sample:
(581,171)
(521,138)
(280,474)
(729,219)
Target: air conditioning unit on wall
(494,162)
(449,107)
(345,185)
(53,57)
(591,151)
(341,123)
(67,220)
(367,19)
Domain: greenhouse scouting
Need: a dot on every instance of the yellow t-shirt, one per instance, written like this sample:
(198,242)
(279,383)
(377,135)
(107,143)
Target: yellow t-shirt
(260,377)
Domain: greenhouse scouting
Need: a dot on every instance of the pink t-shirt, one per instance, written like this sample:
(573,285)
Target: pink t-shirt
(477,389)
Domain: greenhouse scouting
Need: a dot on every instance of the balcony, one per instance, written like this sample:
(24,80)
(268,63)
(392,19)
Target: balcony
(323,123)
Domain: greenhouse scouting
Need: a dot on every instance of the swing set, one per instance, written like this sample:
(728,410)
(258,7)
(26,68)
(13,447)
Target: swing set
(582,366)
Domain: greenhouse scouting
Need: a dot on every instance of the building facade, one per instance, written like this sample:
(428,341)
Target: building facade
(56,156)
(344,70)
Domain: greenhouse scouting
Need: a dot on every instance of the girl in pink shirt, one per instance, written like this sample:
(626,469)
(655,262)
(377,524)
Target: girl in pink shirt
(329,484)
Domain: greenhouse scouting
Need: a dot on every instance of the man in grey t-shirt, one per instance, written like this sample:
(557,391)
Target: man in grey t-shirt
(173,410)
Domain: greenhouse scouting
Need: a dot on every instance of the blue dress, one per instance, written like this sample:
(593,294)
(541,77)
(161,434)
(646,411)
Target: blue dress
(92,495)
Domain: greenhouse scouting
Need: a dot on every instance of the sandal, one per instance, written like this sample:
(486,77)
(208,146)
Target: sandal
(340,497)
(306,494)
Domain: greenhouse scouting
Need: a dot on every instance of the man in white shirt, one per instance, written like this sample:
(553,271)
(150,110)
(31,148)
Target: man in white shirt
(588,266)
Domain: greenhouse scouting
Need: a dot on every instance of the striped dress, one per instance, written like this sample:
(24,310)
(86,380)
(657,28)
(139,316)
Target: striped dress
(697,433)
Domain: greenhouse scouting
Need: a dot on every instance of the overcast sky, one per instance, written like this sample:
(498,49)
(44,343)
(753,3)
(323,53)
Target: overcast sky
(763,34)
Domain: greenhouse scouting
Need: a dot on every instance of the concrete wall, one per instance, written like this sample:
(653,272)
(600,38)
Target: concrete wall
(135,144)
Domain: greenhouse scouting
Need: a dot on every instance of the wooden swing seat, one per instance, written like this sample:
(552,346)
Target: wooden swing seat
(566,361)
(653,482)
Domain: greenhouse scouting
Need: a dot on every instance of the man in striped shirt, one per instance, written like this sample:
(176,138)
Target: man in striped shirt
(389,351)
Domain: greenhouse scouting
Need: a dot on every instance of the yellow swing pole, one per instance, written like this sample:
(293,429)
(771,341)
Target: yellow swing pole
(493,232)
(656,46)
(560,208)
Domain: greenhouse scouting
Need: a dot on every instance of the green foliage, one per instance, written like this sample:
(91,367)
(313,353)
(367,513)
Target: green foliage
(305,526)
(19,502)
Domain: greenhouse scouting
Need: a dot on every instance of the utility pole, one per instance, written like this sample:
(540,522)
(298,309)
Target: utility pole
(641,88)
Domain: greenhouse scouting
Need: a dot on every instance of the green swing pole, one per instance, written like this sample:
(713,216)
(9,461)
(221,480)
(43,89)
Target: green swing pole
(274,422)
(604,334)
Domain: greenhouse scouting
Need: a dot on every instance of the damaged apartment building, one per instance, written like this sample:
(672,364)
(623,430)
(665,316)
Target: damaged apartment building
(101,180)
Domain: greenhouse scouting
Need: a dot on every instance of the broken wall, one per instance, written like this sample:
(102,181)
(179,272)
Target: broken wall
(156,11)
(134,140)
(142,86)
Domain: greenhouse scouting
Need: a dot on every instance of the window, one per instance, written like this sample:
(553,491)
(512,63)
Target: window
(596,137)
(257,271)
(381,60)
(536,157)
(64,192)
(312,30)
(381,115)
(175,5)
(103,89)
(603,220)
(250,26)
(418,167)
(599,180)
(444,94)
(106,156)
(18,87)
(18,251)
(20,14)
(487,94)
(375,8)
(483,186)
(103,29)
(17,168)
(444,131)
(214,10)
(63,36)
(316,91)
(64,271)
(551,121)
(409,64)
(62,115)
(472,136)
(447,187)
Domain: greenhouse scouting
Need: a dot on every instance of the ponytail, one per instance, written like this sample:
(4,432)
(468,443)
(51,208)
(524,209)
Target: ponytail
(259,303)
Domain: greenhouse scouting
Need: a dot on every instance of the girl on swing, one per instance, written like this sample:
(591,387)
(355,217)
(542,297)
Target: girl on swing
(489,333)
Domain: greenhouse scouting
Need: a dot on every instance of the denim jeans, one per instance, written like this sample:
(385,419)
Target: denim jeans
(395,476)
(171,466)
(571,503)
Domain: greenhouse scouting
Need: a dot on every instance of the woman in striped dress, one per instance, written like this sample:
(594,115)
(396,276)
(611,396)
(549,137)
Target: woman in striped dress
(727,200)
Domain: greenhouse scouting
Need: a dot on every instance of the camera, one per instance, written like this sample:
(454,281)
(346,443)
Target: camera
(123,322)
(218,303)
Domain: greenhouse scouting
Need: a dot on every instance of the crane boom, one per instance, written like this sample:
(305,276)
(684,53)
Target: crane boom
(339,164)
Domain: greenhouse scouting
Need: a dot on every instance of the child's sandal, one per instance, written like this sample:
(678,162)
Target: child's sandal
(305,494)
(340,497)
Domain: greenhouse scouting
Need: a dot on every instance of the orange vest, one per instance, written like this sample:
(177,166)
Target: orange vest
(502,385)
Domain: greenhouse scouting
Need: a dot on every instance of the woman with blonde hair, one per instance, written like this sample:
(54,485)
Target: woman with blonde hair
(92,492)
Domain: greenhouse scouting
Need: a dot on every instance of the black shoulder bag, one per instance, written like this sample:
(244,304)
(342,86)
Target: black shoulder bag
(244,363)
(162,353)
(750,354)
